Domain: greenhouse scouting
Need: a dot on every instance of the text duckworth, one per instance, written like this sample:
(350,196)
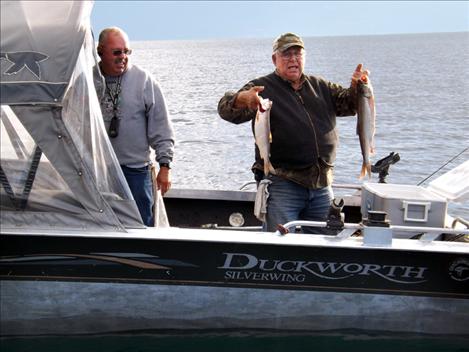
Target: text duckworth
(325,270)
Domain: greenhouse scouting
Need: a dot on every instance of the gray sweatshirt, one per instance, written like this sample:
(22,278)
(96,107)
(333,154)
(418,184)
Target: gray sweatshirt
(143,117)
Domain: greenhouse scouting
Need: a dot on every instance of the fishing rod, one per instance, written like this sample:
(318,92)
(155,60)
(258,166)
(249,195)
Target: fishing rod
(426,178)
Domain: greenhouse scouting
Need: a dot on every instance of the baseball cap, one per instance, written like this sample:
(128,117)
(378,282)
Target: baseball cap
(287,40)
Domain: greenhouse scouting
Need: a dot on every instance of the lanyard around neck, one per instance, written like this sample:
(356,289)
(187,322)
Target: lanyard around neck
(115,92)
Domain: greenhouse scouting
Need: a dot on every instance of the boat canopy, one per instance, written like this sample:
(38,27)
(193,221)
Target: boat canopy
(58,168)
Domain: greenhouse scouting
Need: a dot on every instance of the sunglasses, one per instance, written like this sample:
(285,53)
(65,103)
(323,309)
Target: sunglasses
(119,52)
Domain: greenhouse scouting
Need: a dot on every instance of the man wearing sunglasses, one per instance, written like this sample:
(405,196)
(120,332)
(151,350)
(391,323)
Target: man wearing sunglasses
(302,126)
(136,117)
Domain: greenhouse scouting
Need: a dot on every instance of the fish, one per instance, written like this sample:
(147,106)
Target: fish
(366,123)
(263,135)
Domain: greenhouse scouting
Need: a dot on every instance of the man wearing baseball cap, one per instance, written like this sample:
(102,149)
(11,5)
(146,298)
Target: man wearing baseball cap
(302,125)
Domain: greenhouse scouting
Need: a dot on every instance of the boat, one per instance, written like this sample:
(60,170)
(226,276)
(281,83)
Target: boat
(75,257)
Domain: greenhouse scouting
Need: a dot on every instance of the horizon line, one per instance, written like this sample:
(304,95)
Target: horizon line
(303,36)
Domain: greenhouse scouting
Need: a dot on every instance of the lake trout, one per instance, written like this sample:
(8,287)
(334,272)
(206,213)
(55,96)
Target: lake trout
(262,134)
(366,123)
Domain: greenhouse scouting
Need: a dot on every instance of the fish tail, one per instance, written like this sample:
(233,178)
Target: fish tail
(268,168)
(366,169)
(271,169)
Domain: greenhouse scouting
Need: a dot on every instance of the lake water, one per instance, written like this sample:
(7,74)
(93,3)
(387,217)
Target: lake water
(421,83)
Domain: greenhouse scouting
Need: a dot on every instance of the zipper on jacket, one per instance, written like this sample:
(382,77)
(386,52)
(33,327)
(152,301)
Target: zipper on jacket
(300,98)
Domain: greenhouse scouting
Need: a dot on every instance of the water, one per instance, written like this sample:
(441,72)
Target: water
(421,83)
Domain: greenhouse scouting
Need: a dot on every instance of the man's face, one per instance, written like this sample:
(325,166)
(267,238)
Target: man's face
(290,63)
(114,59)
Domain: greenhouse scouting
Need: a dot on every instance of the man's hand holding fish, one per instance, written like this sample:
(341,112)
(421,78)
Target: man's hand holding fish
(359,74)
(249,98)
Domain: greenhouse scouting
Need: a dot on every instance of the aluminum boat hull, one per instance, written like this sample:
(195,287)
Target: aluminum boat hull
(158,279)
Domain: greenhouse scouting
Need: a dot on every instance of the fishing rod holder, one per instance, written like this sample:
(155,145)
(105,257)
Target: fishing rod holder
(335,218)
(381,167)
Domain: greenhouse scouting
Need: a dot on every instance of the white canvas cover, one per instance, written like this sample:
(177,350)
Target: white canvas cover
(58,169)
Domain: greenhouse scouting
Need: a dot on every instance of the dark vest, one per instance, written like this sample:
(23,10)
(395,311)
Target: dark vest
(302,122)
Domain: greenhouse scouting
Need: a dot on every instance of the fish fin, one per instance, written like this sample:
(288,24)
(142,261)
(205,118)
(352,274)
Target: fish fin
(372,103)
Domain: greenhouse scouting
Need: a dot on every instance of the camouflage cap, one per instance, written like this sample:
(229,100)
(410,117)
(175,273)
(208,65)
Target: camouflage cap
(287,40)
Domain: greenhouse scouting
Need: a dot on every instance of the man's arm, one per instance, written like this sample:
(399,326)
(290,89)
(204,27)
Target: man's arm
(160,133)
(345,99)
(241,106)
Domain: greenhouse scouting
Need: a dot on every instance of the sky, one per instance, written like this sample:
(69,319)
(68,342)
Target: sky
(188,20)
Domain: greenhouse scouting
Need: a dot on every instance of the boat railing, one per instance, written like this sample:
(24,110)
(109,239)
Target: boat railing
(334,185)
(459,220)
(383,234)
(347,186)
(246,184)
